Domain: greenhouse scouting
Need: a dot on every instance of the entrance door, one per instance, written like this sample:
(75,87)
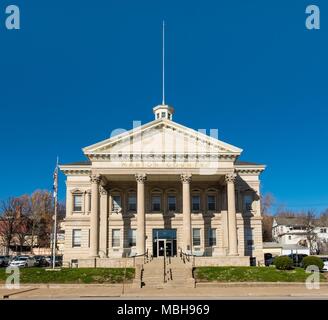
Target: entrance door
(164,242)
(161,246)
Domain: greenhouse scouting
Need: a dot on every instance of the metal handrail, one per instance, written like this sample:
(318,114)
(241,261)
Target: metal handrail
(146,255)
(186,257)
(164,268)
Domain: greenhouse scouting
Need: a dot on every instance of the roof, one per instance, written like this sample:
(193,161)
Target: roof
(296,221)
(271,245)
(293,221)
(294,247)
(246,163)
(163,126)
(79,163)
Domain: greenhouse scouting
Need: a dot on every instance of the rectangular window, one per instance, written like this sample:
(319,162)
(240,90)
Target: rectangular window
(89,196)
(195,203)
(249,238)
(156,203)
(212,237)
(76,238)
(117,205)
(132,237)
(196,237)
(172,203)
(116,238)
(77,202)
(211,203)
(248,199)
(132,202)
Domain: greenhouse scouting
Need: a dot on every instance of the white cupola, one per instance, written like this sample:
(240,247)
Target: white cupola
(163,111)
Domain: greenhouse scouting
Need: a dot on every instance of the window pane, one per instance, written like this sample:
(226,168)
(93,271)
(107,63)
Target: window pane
(212,237)
(76,238)
(116,203)
(132,237)
(196,237)
(172,203)
(195,203)
(116,238)
(89,195)
(248,199)
(156,203)
(211,203)
(77,203)
(249,237)
(132,202)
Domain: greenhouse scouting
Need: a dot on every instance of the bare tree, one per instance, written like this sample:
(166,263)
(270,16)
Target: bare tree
(309,221)
(41,209)
(266,203)
(9,220)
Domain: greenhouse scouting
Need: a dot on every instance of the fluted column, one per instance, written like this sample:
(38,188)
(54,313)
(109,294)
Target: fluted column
(103,221)
(94,216)
(141,235)
(186,179)
(232,221)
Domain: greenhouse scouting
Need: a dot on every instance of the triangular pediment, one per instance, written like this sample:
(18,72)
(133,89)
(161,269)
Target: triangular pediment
(162,137)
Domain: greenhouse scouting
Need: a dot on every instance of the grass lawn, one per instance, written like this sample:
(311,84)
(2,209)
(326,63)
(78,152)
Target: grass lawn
(76,275)
(243,274)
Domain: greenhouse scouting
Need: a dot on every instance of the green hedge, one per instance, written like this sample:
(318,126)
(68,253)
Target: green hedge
(312,261)
(283,263)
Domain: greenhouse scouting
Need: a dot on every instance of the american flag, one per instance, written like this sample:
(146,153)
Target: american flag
(55,186)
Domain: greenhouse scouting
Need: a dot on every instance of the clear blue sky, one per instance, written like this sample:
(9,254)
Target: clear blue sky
(249,68)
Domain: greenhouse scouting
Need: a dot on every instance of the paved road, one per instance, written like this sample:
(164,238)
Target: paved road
(213,292)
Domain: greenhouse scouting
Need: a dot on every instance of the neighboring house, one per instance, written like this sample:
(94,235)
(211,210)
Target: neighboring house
(272,247)
(293,231)
(162,188)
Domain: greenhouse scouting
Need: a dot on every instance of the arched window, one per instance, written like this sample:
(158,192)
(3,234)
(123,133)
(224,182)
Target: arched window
(171,200)
(211,200)
(248,201)
(116,195)
(196,200)
(156,200)
(132,201)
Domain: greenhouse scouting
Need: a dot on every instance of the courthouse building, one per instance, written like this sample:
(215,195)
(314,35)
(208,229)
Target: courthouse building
(163,188)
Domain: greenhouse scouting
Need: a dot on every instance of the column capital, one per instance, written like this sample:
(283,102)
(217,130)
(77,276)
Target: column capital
(102,191)
(141,178)
(95,178)
(185,178)
(230,177)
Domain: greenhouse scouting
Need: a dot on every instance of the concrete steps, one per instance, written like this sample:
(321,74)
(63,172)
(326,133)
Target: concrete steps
(178,274)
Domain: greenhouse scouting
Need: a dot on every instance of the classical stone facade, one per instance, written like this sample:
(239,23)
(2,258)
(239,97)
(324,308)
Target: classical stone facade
(163,188)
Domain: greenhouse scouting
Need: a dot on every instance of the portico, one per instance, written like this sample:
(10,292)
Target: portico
(162,179)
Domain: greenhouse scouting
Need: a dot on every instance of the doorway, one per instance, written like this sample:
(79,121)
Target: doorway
(164,242)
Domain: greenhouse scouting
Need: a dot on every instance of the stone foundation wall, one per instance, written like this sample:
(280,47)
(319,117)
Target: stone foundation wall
(106,263)
(221,261)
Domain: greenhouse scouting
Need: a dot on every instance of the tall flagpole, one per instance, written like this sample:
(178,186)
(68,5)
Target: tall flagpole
(163,63)
(55,216)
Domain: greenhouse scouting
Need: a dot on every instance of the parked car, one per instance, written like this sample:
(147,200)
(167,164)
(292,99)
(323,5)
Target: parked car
(297,259)
(41,261)
(23,261)
(58,260)
(4,261)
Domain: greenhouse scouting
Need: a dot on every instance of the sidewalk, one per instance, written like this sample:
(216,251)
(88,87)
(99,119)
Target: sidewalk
(220,291)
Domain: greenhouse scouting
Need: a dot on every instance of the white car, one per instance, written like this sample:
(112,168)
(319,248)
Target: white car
(23,261)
